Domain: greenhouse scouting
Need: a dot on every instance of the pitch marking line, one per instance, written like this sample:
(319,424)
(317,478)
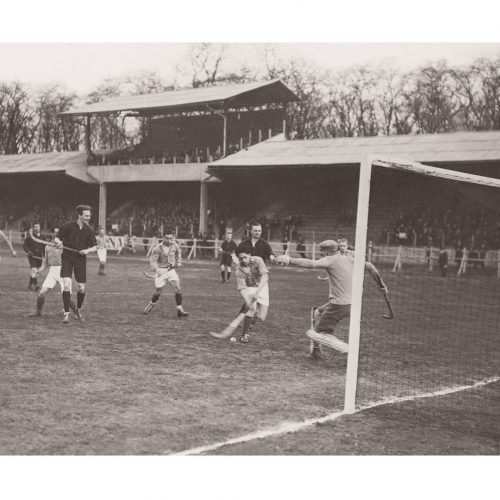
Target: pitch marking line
(289,427)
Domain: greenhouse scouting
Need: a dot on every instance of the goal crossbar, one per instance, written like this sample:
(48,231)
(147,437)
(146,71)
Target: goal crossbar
(420,168)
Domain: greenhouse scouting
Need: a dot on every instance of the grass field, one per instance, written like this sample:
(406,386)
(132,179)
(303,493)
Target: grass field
(127,384)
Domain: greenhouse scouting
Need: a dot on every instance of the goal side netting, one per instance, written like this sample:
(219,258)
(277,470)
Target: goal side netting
(434,235)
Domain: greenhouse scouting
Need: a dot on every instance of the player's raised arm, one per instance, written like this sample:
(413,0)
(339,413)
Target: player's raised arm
(376,276)
(9,243)
(153,257)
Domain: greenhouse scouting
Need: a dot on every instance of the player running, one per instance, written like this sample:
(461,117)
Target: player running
(165,258)
(34,250)
(227,248)
(52,261)
(340,270)
(102,251)
(253,285)
(78,239)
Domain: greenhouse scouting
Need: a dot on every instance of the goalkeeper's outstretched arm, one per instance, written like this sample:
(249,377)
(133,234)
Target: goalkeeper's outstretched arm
(322,263)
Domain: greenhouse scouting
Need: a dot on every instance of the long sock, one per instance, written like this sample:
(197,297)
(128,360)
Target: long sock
(31,281)
(80,296)
(228,275)
(223,276)
(247,323)
(178,300)
(66,297)
(40,300)
(35,282)
(72,305)
(155,297)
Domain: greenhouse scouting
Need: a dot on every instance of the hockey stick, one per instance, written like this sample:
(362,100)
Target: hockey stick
(389,306)
(51,243)
(152,275)
(229,330)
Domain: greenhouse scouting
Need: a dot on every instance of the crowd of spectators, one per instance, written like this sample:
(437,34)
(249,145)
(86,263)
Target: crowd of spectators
(144,218)
(274,228)
(24,214)
(445,225)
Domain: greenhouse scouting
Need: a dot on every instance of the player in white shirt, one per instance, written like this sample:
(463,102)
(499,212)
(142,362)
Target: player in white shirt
(52,262)
(165,258)
(340,270)
(102,251)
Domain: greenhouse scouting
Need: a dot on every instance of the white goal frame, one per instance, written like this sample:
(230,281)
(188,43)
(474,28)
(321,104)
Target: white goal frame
(360,245)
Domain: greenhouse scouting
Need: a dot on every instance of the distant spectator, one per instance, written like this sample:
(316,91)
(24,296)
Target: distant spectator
(443,262)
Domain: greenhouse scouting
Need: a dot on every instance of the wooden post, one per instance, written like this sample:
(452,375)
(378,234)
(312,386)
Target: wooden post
(270,133)
(203,207)
(224,137)
(284,128)
(102,204)
(260,135)
(357,286)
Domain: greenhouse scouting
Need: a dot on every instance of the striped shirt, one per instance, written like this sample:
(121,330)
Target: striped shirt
(53,255)
(252,274)
(165,256)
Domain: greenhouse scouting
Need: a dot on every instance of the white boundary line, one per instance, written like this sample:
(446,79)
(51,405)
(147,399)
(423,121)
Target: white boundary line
(289,427)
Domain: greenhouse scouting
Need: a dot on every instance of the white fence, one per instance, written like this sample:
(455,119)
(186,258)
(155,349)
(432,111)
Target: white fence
(397,256)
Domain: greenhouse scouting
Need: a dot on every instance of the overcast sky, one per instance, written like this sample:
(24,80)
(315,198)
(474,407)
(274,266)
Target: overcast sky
(83,66)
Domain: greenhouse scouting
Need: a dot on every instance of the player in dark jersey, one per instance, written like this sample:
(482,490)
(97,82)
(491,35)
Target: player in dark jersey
(34,251)
(227,248)
(78,239)
(257,245)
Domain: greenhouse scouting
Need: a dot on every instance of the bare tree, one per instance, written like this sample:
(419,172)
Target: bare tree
(52,133)
(350,108)
(18,119)
(434,99)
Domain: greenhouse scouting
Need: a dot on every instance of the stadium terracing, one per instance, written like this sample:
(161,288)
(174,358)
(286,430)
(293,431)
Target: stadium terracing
(229,134)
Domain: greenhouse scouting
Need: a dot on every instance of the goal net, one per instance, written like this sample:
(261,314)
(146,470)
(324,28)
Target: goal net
(433,234)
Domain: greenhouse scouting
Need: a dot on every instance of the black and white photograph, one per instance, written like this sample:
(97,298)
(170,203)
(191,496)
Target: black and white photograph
(249,249)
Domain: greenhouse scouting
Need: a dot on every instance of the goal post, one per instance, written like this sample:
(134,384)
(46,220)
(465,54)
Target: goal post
(432,345)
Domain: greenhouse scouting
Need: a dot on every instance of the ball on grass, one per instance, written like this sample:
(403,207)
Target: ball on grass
(232,339)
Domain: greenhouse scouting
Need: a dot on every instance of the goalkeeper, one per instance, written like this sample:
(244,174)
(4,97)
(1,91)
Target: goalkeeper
(165,258)
(340,270)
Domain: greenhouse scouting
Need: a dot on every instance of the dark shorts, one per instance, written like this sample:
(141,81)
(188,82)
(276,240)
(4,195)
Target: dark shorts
(34,262)
(331,314)
(226,260)
(74,263)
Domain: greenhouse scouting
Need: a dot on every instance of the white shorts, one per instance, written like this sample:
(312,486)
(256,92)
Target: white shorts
(53,277)
(262,298)
(101,254)
(170,275)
